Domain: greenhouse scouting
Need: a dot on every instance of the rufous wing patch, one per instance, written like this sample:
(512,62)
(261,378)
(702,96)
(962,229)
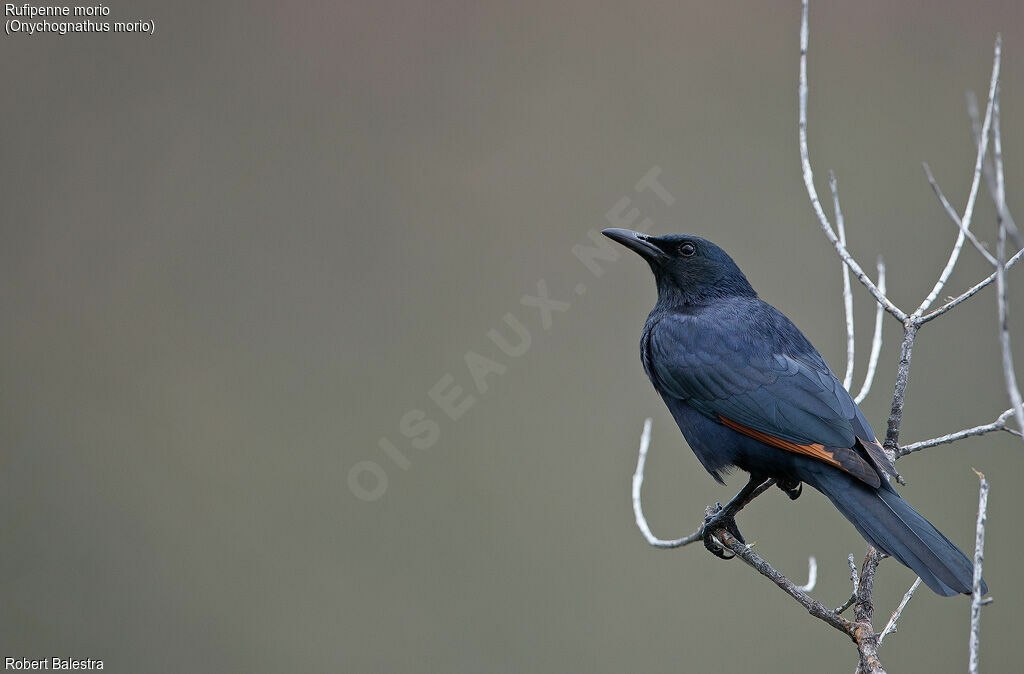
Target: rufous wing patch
(843,458)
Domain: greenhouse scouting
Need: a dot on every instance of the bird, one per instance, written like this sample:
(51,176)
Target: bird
(749,391)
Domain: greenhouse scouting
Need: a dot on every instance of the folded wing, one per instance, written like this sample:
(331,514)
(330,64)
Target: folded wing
(778,390)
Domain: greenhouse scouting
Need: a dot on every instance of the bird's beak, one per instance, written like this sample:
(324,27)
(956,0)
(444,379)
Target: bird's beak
(637,242)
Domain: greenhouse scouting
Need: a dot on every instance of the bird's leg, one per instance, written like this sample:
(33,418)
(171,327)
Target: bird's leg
(719,517)
(793,489)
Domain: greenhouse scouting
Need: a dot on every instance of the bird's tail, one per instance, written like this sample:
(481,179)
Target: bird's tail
(893,527)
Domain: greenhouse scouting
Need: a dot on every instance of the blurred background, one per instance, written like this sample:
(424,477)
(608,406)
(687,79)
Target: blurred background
(239,253)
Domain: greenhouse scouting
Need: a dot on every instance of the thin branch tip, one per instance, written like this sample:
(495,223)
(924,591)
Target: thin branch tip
(638,509)
(998,425)
(890,627)
(979,556)
(812,574)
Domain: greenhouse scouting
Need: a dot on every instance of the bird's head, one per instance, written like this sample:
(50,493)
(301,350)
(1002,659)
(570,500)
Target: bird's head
(687,268)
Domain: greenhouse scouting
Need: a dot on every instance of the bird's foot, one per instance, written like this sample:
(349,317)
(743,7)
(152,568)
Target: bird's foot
(716,518)
(792,489)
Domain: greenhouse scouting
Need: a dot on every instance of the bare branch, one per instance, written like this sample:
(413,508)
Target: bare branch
(892,429)
(863,611)
(997,157)
(973,196)
(979,556)
(638,509)
(876,339)
(974,115)
(812,193)
(855,579)
(989,172)
(890,627)
(970,292)
(813,606)
(956,218)
(998,425)
(1009,372)
(847,291)
(1004,340)
(812,575)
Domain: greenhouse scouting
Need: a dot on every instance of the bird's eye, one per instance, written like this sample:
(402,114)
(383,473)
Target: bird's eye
(687,249)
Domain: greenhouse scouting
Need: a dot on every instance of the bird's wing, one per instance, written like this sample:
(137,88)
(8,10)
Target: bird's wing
(763,387)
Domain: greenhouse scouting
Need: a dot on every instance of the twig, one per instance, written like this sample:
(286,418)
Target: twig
(979,557)
(812,575)
(956,218)
(975,184)
(1004,309)
(970,292)
(892,429)
(998,425)
(847,291)
(855,579)
(813,606)
(863,612)
(876,339)
(638,509)
(988,171)
(862,607)
(890,627)
(812,193)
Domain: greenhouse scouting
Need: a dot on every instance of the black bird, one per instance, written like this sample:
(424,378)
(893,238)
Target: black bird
(749,391)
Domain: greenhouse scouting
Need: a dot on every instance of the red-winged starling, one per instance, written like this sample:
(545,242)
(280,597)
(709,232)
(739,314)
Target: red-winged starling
(749,391)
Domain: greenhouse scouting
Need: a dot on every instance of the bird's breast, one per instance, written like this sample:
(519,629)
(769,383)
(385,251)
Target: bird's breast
(646,355)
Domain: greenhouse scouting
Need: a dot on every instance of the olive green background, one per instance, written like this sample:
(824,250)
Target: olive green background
(235,253)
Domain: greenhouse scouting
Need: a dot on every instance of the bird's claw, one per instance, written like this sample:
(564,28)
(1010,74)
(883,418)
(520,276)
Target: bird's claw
(792,489)
(719,518)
